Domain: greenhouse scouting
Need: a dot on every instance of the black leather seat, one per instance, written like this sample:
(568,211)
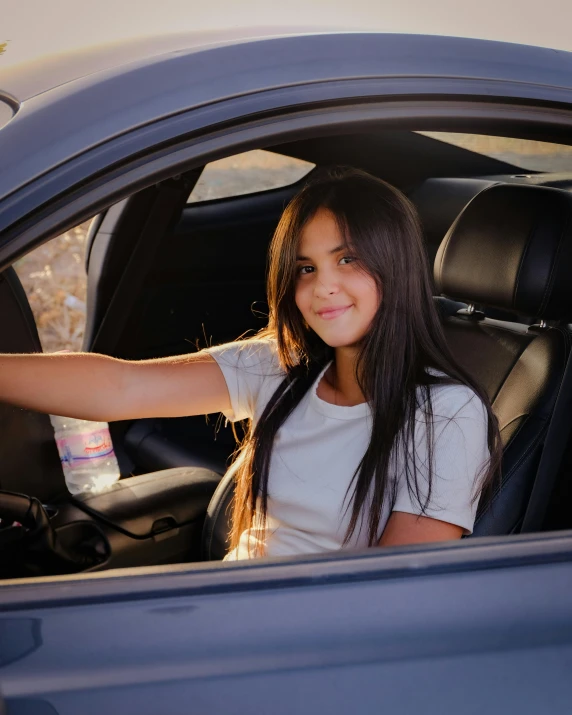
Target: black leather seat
(29,458)
(509,249)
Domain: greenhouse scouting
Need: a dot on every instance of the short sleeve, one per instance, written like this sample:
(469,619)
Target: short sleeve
(248,366)
(460,456)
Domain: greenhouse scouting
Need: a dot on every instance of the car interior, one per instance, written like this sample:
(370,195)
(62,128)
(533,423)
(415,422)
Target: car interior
(170,272)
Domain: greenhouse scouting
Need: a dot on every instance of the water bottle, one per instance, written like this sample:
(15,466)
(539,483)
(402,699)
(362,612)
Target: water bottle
(87,455)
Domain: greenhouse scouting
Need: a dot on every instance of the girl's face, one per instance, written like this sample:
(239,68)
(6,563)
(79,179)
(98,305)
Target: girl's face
(336,297)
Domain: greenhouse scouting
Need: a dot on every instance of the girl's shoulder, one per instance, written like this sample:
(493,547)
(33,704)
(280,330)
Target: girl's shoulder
(259,355)
(252,372)
(450,399)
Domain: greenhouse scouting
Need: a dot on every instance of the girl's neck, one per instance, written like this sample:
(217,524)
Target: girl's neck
(339,385)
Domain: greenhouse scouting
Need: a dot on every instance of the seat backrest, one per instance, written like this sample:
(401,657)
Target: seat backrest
(216,529)
(509,249)
(29,461)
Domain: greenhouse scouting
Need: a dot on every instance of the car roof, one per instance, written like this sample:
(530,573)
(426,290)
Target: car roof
(28,79)
(62,107)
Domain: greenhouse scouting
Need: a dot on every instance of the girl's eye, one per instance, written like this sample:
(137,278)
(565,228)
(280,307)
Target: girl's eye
(349,259)
(303,272)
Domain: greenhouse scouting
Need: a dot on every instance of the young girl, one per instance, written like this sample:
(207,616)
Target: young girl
(364,430)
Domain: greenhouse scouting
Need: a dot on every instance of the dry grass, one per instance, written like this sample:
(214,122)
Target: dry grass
(54,279)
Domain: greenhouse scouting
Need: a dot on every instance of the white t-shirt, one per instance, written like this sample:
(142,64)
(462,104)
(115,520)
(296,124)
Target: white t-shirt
(318,448)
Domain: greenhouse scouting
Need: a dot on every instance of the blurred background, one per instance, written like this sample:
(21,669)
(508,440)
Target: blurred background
(35,27)
(53,275)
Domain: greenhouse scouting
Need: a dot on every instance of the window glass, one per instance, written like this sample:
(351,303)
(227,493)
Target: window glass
(246,173)
(53,276)
(524,153)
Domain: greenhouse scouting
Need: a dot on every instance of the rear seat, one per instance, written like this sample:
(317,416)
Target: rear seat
(511,249)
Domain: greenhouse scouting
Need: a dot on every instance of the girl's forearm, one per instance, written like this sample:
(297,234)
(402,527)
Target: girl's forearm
(83,385)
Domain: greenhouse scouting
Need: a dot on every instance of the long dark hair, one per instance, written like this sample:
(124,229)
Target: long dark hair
(405,339)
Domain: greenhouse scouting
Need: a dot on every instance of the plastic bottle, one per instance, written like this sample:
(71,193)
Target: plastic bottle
(87,455)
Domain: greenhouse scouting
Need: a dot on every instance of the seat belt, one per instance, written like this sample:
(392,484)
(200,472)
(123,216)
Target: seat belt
(555,444)
(164,212)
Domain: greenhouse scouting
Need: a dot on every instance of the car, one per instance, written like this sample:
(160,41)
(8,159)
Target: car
(120,601)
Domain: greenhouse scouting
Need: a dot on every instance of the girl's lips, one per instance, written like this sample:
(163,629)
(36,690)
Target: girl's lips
(331,313)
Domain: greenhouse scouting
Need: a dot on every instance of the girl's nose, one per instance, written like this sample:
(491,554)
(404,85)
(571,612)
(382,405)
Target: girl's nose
(324,287)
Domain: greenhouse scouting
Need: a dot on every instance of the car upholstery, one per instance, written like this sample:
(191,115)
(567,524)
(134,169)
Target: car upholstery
(510,249)
(28,454)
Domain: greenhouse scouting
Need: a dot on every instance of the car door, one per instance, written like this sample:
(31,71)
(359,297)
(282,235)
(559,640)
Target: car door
(462,628)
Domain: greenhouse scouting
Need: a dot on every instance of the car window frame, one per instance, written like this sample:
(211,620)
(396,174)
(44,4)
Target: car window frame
(171,144)
(93,194)
(333,568)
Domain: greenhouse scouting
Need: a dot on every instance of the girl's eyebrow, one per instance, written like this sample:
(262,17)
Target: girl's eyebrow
(337,249)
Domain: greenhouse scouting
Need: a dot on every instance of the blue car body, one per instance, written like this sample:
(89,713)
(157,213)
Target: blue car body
(471,627)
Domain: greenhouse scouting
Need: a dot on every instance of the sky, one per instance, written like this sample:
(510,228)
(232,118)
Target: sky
(32,28)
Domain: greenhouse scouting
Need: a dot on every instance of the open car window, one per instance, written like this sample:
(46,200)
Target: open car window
(248,173)
(198,284)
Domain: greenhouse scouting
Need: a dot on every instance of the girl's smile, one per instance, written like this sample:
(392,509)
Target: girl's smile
(331,313)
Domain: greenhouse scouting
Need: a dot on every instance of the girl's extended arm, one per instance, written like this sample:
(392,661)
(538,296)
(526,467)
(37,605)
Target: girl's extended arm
(97,387)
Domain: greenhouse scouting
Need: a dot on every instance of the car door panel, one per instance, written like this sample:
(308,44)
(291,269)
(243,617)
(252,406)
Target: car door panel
(452,629)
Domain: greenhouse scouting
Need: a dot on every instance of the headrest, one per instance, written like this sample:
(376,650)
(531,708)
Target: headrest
(511,248)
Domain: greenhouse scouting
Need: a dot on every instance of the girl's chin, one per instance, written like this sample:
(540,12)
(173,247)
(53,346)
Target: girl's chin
(341,342)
